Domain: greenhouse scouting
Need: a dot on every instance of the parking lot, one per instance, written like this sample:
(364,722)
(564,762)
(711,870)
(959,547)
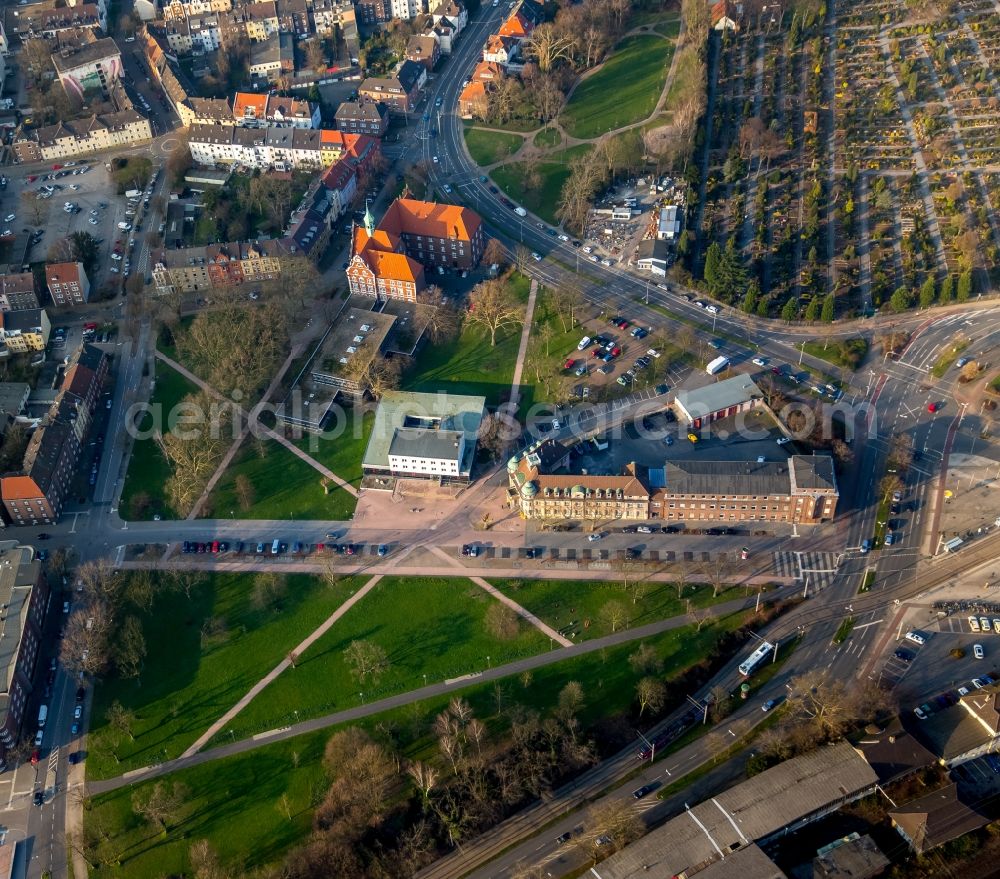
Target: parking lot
(96,210)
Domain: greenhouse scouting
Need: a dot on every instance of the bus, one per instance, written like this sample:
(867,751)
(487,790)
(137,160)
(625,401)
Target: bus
(756,658)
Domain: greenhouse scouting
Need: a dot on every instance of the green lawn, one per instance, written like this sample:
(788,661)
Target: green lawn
(236,803)
(148,471)
(547,137)
(284,486)
(343,446)
(847,353)
(487,147)
(575,607)
(544,200)
(467,364)
(625,90)
(430,629)
(194,673)
(944,362)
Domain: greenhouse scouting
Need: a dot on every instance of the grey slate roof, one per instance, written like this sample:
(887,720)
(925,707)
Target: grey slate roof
(720,395)
(814,472)
(743,478)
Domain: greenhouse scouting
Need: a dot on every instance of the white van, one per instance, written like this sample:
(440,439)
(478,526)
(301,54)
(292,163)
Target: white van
(276,546)
(584,343)
(43,713)
(521,212)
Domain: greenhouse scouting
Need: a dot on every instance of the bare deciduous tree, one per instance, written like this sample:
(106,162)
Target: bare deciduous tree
(492,307)
(367,659)
(652,694)
(502,622)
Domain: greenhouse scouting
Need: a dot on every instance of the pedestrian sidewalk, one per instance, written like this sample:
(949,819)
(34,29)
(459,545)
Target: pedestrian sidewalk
(285,663)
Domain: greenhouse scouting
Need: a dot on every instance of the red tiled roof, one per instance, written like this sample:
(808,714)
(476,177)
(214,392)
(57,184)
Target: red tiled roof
(18,488)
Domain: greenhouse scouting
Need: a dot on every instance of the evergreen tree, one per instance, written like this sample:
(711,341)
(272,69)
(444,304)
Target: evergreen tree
(829,308)
(712,258)
(964,289)
(790,310)
(762,307)
(947,290)
(928,292)
(900,299)
(812,309)
(751,298)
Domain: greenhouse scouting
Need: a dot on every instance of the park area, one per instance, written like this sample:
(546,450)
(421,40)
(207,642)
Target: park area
(487,147)
(252,808)
(624,90)
(209,638)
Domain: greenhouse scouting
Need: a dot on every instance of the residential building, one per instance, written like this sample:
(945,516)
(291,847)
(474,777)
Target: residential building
(373,11)
(4,44)
(173,9)
(77,137)
(260,111)
(261,20)
(24,594)
(363,117)
(293,17)
(193,269)
(278,146)
(17,292)
(501,49)
(423,49)
(936,818)
(13,399)
(92,67)
(802,490)
(653,256)
(341,181)
(894,752)
(732,396)
(209,111)
(452,12)
(46,20)
(426,436)
(725,16)
(518,26)
(405,9)
(387,261)
(473,102)
(443,33)
(36,496)
(772,804)
(399,91)
(24,331)
(68,283)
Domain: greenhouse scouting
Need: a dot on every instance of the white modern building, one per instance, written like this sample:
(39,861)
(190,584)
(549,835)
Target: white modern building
(425,436)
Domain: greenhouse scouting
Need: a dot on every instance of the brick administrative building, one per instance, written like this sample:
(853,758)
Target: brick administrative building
(802,490)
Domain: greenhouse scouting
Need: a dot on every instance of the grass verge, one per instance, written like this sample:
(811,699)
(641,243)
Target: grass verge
(846,353)
(944,362)
(488,147)
(143,495)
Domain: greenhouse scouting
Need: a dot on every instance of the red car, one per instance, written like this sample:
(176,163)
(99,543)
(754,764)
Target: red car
(623,324)
(933,407)
(596,352)
(569,364)
(215,546)
(32,178)
(616,351)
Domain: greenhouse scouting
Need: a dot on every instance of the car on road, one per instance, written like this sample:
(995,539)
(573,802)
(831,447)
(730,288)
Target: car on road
(866,545)
(77,712)
(768,705)
(382,549)
(639,793)
(759,361)
(436,160)
(933,407)
(961,362)
(43,536)
(903,655)
(597,535)
(977,651)
(39,798)
(447,189)
(567,836)
(10,218)
(897,496)
(919,711)
(537,257)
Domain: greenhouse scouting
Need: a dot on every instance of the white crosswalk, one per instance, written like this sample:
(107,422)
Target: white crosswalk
(819,567)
